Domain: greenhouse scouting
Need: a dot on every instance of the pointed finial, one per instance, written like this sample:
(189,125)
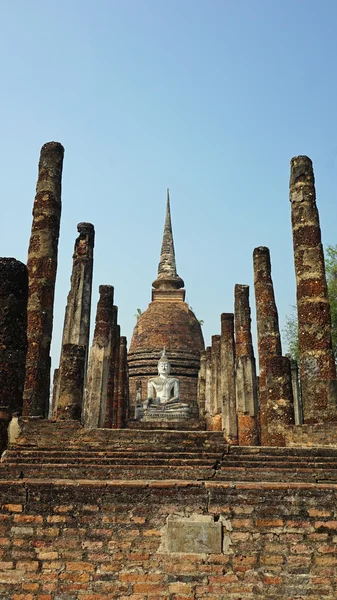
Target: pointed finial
(167,271)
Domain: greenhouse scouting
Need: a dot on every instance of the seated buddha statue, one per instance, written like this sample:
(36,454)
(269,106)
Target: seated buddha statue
(163,392)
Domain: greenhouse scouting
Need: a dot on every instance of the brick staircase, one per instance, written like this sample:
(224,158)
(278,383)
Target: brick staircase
(50,450)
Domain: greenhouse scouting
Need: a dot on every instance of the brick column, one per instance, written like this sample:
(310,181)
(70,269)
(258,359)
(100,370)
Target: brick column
(208,387)
(279,408)
(216,402)
(13,340)
(202,384)
(113,371)
(114,399)
(71,383)
(246,385)
(268,333)
(228,389)
(98,368)
(317,363)
(77,316)
(123,384)
(42,266)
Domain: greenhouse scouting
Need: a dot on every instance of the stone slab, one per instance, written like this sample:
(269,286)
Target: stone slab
(199,535)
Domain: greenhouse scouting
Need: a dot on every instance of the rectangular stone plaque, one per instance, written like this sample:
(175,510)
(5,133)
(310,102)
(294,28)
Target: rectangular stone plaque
(194,535)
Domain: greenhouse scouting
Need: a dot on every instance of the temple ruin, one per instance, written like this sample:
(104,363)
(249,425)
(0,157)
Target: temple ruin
(168,470)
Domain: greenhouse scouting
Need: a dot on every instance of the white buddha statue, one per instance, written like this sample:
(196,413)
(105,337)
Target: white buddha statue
(163,392)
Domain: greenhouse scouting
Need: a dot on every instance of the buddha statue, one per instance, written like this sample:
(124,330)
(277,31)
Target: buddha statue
(163,392)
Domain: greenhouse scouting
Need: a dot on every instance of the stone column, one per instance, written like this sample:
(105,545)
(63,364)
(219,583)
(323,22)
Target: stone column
(317,363)
(98,367)
(298,412)
(279,401)
(77,316)
(246,385)
(123,384)
(228,389)
(216,404)
(202,385)
(42,266)
(71,383)
(268,333)
(13,340)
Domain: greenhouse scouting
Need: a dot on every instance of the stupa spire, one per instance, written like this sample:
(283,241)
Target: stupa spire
(167,270)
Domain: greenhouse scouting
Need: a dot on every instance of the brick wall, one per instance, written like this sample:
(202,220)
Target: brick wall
(65,540)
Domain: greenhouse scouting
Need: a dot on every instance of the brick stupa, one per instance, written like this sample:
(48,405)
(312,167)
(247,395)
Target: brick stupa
(168,322)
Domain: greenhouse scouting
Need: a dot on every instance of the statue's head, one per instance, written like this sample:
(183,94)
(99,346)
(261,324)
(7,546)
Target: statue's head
(164,367)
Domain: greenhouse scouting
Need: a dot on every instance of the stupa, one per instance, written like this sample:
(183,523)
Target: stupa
(167,323)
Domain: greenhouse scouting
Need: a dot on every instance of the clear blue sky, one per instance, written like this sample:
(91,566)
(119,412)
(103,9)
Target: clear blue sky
(209,98)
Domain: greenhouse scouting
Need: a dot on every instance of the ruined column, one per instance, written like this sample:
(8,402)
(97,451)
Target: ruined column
(216,403)
(42,266)
(202,385)
(317,363)
(13,340)
(69,405)
(246,385)
(77,316)
(98,367)
(298,412)
(268,333)
(113,400)
(111,403)
(228,389)
(208,387)
(123,384)
(279,407)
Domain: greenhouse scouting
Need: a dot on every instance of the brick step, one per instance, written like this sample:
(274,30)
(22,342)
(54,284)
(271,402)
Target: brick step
(155,472)
(247,460)
(229,453)
(43,433)
(254,453)
(102,472)
(112,461)
(171,464)
(99,455)
(295,451)
(225,461)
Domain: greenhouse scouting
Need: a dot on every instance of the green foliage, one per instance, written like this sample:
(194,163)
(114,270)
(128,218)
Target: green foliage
(138,313)
(290,329)
(290,332)
(201,321)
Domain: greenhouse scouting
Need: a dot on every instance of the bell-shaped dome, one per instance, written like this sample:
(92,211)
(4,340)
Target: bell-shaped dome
(167,324)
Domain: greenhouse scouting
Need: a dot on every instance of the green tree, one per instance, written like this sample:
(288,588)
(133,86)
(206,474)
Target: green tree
(290,329)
